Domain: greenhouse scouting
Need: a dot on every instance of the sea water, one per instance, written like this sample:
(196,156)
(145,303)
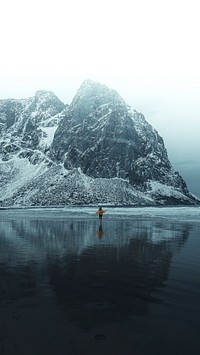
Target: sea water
(72,285)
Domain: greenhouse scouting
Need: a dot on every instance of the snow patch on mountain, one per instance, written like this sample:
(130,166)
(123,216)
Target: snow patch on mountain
(47,136)
(155,188)
(15,173)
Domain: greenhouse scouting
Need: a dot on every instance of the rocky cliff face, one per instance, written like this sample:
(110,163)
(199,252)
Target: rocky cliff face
(96,150)
(23,122)
(106,138)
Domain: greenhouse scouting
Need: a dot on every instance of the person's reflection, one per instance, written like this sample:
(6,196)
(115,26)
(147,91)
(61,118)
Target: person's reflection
(100,231)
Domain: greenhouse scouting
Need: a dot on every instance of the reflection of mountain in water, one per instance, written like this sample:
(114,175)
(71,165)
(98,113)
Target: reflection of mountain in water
(95,280)
(42,237)
(112,282)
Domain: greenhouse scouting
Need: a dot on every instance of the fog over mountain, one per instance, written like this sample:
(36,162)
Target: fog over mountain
(146,50)
(97,150)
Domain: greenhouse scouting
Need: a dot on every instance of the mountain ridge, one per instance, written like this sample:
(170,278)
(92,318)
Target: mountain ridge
(95,150)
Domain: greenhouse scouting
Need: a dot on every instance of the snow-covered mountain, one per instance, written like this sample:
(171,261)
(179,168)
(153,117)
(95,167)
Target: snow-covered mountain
(97,150)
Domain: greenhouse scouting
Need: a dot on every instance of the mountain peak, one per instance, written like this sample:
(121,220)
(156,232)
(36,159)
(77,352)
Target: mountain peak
(92,94)
(45,95)
(91,88)
(45,100)
(44,92)
(91,83)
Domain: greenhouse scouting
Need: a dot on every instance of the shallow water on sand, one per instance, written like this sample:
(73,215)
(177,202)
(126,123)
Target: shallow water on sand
(71,286)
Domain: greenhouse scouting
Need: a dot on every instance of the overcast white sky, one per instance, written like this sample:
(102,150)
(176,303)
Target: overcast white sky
(147,50)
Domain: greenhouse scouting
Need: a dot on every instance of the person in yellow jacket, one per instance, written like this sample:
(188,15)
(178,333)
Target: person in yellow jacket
(100,212)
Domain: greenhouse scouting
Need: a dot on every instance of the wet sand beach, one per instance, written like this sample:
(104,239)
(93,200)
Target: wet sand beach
(71,287)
